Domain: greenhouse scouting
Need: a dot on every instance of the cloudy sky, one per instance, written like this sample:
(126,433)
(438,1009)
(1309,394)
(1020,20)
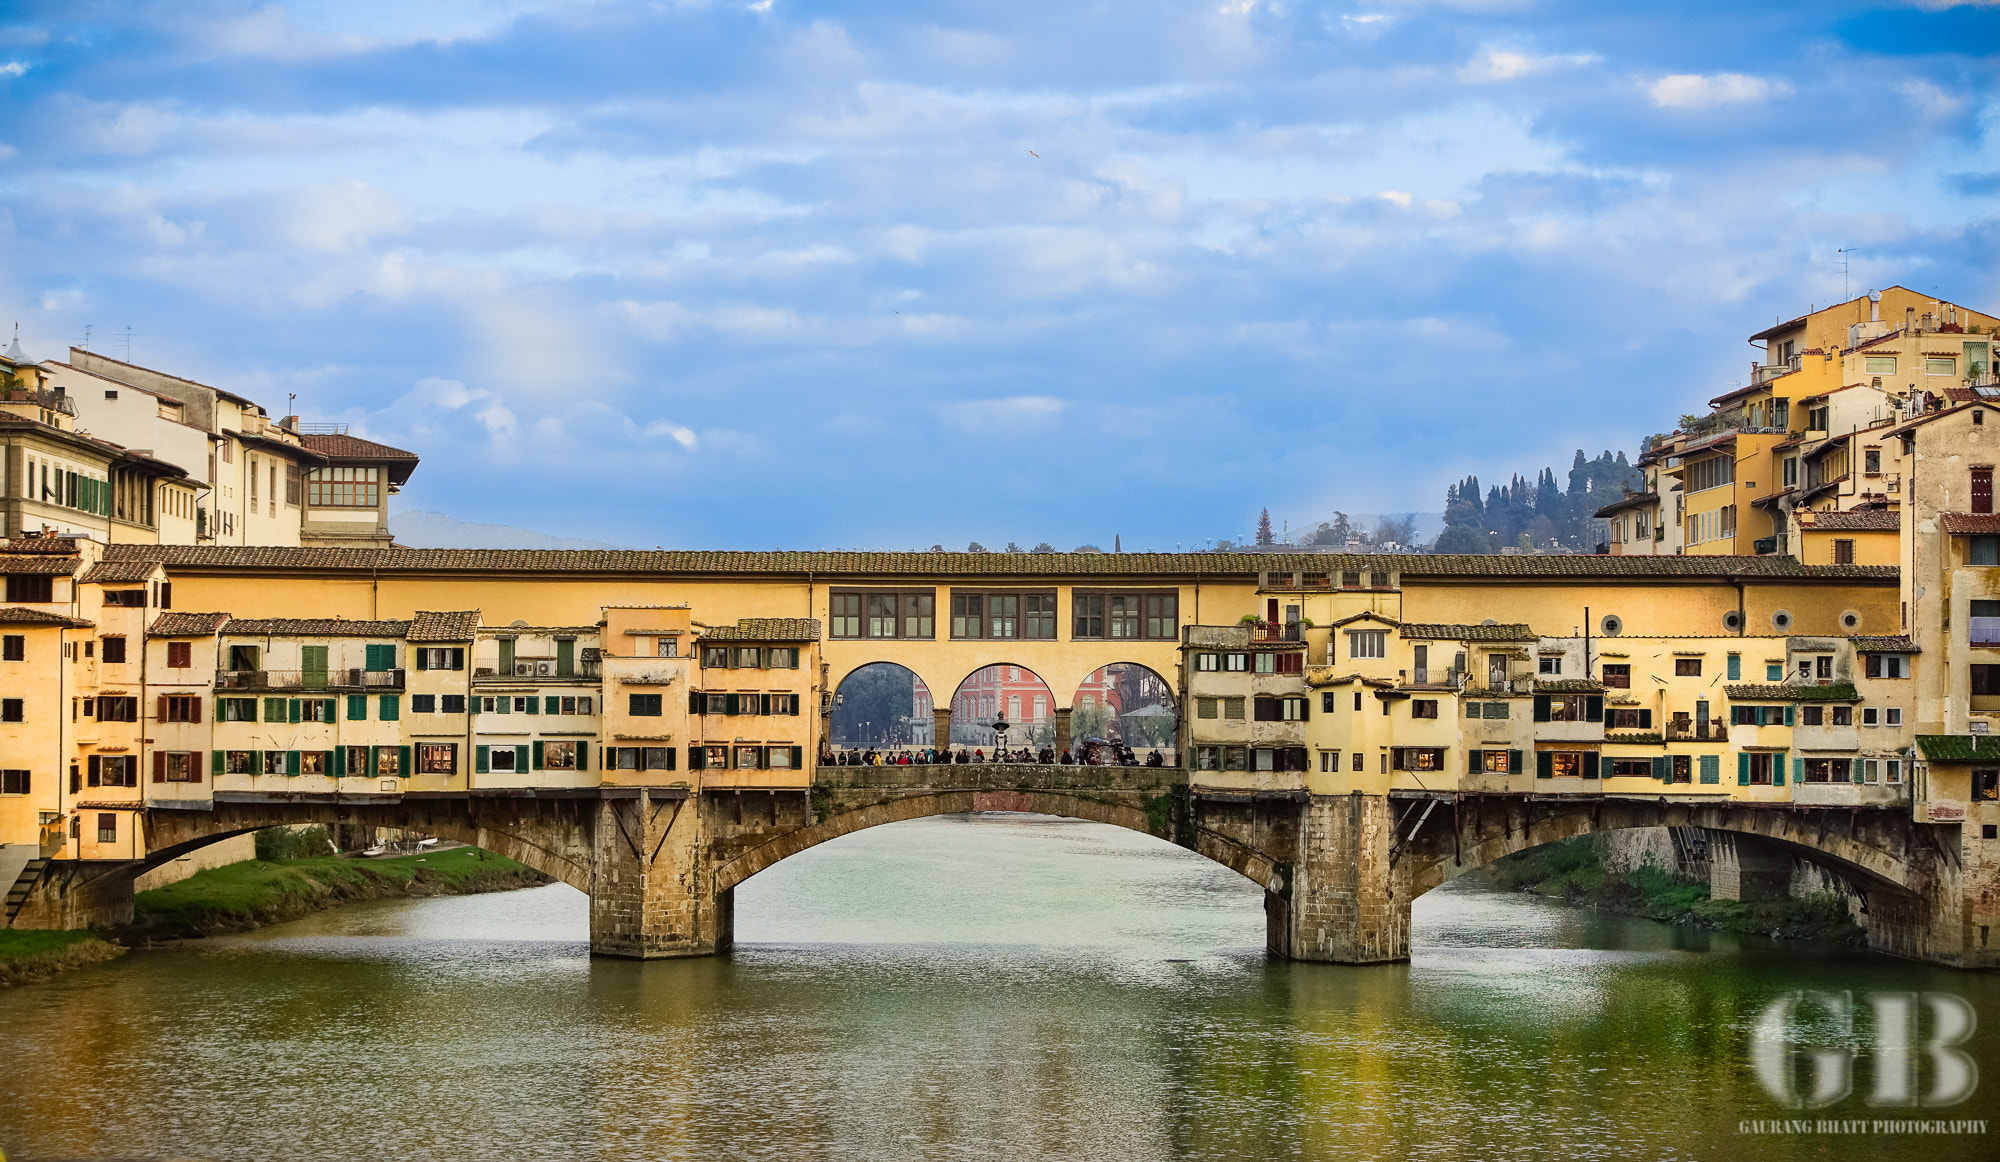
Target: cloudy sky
(871,275)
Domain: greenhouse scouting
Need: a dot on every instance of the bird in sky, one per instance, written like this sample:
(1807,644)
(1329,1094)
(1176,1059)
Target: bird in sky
(1033,154)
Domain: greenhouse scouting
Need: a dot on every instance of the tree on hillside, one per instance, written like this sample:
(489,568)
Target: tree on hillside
(1334,532)
(1264,536)
(1393,530)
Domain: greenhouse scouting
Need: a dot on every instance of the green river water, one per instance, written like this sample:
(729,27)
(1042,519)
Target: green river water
(985,987)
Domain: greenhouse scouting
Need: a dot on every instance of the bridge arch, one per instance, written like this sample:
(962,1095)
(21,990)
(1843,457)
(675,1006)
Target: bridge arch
(1125,702)
(1862,853)
(1153,815)
(881,703)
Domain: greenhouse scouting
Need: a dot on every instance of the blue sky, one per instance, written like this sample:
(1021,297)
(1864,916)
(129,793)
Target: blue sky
(806,275)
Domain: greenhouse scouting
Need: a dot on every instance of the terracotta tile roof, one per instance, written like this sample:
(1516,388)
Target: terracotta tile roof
(40,565)
(187,624)
(1959,748)
(1875,520)
(843,566)
(765,629)
(1882,644)
(353,448)
(21,615)
(1636,500)
(59,545)
(109,571)
(1364,615)
(1569,686)
(1976,524)
(1469,633)
(426,626)
(1779,692)
(313,627)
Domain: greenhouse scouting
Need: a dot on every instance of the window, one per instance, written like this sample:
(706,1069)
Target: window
(423,704)
(107,828)
(1618,676)
(559,756)
(1842,715)
(1843,551)
(1236,663)
(116,709)
(1879,365)
(1631,768)
(1232,708)
(180,655)
(1891,665)
(1713,472)
(236,710)
(453,704)
(667,647)
(14,647)
(1681,768)
(14,782)
(22,588)
(1367,643)
(645,706)
(642,758)
(1423,708)
(1791,471)
(1294,710)
(342,487)
(1205,708)
(1360,763)
(1687,667)
(176,708)
(1208,663)
(1892,716)
(292,484)
(1416,758)
(127,598)
(1940,365)
(1757,768)
(1810,716)
(1870,716)
(1982,489)
(1822,770)
(1496,762)
(1121,616)
(240,762)
(1628,719)
(1871,461)
(1566,764)
(1207,758)
(892,613)
(176,767)
(1758,715)
(1550,665)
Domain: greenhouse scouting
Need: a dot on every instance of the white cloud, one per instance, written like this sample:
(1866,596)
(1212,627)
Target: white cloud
(1013,413)
(1494,64)
(1696,91)
(683,436)
(13,68)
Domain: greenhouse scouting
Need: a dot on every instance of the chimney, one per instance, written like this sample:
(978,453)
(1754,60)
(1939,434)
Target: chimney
(1874,306)
(1909,319)
(290,424)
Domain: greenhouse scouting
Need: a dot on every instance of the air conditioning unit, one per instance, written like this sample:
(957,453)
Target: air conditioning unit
(545,667)
(524,669)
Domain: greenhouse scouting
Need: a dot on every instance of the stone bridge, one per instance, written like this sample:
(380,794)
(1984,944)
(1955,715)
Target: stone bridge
(1339,873)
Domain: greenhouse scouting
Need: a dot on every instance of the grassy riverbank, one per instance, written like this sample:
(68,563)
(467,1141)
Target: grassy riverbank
(247,895)
(31,954)
(1572,871)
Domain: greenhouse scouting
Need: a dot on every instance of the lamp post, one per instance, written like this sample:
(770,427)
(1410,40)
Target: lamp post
(1000,728)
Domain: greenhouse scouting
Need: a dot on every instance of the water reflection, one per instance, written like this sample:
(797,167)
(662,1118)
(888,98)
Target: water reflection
(1003,986)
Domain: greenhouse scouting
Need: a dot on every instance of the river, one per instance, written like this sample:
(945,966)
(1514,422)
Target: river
(980,987)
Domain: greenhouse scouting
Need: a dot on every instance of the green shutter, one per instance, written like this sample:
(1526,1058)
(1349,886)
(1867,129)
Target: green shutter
(565,659)
(582,756)
(458,658)
(1778,769)
(551,705)
(219,704)
(1514,762)
(292,710)
(1790,714)
(357,707)
(1474,761)
(327,710)
(697,758)
(521,758)
(731,704)
(215,762)
(1605,767)
(256,763)
(504,704)
(534,704)
(538,755)
(392,708)
(1854,770)
(1735,667)
(423,659)
(1663,768)
(274,709)
(1545,765)
(1711,768)
(1742,769)
(340,762)
(403,761)
(291,762)
(798,752)
(479,761)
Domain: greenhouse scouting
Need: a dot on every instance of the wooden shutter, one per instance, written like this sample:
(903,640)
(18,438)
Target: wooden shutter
(326,712)
(479,760)
(798,752)
(1734,668)
(1742,769)
(293,710)
(534,704)
(521,758)
(695,702)
(1854,770)
(1545,765)
(582,756)
(731,704)
(423,658)
(292,761)
(1593,708)
(403,761)
(1645,720)
(1982,490)
(1778,769)
(1791,712)
(195,716)
(1475,762)
(458,658)
(538,755)
(1663,768)
(96,772)
(357,707)
(551,705)
(392,708)
(1605,767)
(1514,763)
(159,766)
(1541,708)
(215,763)
(340,762)
(160,714)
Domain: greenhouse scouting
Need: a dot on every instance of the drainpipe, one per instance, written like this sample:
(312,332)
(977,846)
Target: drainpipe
(1741,621)
(1586,642)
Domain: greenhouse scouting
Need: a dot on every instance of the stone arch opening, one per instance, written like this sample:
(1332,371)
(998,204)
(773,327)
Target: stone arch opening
(882,706)
(1125,704)
(1149,815)
(1003,690)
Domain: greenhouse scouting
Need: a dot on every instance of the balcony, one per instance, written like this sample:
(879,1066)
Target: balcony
(332,680)
(538,670)
(54,401)
(1289,632)
(1705,730)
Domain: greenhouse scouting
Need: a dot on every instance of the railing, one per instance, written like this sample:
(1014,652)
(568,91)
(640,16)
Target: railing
(534,671)
(55,401)
(1289,632)
(350,679)
(1711,730)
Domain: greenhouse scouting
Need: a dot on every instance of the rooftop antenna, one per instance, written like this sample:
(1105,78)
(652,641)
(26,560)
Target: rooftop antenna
(85,344)
(1844,252)
(126,338)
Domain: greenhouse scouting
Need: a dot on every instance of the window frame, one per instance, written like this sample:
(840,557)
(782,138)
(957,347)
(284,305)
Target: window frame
(1106,610)
(902,617)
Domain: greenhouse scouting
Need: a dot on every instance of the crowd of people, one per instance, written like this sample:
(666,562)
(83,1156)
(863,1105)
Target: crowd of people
(1093,753)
